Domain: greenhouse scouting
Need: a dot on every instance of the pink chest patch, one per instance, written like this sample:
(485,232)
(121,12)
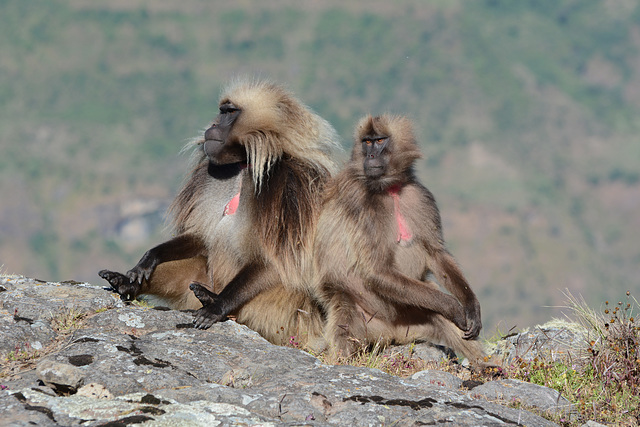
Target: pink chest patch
(232,206)
(404,234)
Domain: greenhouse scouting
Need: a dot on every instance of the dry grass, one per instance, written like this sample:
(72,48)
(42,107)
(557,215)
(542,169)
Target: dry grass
(392,362)
(399,361)
(604,382)
(67,320)
(25,357)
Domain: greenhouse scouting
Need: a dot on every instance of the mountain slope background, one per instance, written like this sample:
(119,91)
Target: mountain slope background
(527,112)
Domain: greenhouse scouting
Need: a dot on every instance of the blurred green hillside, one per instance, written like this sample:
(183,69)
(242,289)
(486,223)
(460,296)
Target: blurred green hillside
(527,112)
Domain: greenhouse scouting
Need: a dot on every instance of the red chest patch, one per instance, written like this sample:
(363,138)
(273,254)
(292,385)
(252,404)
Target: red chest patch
(404,234)
(232,206)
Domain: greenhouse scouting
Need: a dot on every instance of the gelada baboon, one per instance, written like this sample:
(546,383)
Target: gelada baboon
(379,240)
(255,238)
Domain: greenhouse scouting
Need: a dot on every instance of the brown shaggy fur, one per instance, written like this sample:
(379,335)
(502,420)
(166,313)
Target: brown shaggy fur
(287,149)
(376,286)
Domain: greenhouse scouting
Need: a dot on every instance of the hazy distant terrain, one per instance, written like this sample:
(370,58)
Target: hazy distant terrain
(528,113)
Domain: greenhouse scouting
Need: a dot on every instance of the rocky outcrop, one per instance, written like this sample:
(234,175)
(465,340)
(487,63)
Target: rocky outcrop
(81,357)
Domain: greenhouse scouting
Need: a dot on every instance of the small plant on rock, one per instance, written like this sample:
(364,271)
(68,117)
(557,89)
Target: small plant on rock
(603,381)
(67,320)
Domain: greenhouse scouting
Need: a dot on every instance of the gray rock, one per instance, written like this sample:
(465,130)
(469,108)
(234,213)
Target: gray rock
(95,390)
(19,335)
(430,352)
(62,377)
(35,299)
(16,411)
(554,339)
(438,378)
(531,395)
(27,307)
(148,366)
